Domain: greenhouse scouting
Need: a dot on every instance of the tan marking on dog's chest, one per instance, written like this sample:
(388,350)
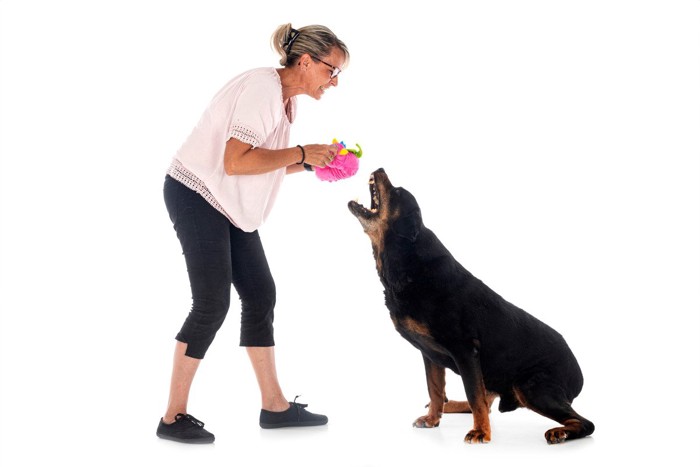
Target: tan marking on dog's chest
(415,327)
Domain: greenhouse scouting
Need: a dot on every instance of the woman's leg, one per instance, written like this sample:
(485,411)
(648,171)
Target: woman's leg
(204,235)
(263,360)
(184,369)
(256,288)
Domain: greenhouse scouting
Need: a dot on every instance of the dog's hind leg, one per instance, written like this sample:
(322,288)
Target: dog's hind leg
(435,377)
(551,402)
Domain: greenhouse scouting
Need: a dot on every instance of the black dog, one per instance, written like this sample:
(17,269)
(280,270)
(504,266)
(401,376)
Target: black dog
(457,322)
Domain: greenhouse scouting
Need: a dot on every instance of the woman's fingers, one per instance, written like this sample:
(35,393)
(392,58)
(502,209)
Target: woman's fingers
(320,155)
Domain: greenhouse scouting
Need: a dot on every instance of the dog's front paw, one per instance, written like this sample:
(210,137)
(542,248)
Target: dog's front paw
(556,435)
(426,421)
(477,436)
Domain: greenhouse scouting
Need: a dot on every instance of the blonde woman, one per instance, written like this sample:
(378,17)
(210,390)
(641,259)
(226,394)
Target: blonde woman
(219,189)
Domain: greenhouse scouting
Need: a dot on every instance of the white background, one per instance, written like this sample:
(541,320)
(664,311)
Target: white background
(554,147)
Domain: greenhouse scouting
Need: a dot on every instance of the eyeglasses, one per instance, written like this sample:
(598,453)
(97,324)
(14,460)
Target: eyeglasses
(335,70)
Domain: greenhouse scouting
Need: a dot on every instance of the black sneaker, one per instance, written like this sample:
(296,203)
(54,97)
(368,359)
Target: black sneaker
(295,415)
(185,429)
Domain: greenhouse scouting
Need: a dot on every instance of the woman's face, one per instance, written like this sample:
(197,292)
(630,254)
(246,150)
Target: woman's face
(322,76)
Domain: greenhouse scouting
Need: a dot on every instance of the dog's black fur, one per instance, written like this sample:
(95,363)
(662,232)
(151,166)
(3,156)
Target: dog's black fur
(457,322)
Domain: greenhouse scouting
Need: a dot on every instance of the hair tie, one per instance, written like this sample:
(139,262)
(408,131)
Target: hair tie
(289,44)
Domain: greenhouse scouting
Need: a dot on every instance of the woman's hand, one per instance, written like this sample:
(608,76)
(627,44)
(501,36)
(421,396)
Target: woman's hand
(320,155)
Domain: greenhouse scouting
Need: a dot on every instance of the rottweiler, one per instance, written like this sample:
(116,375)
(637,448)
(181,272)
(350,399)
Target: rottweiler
(457,322)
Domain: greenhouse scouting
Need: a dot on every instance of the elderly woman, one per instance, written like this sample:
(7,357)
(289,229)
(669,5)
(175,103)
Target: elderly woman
(219,189)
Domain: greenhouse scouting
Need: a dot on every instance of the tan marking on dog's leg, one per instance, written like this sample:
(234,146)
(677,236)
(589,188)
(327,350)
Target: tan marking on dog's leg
(435,377)
(457,407)
(490,397)
(464,407)
(481,433)
(573,427)
(480,401)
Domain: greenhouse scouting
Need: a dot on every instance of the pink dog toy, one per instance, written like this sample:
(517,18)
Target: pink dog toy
(343,165)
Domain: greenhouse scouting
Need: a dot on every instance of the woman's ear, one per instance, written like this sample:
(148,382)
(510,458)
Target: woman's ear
(304,61)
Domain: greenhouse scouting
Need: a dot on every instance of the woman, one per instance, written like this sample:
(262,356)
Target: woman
(219,189)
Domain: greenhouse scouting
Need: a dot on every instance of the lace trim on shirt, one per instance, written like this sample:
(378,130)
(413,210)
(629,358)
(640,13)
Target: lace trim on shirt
(191,181)
(245,135)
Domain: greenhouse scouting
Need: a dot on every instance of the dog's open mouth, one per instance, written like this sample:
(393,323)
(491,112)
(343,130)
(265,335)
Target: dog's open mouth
(359,210)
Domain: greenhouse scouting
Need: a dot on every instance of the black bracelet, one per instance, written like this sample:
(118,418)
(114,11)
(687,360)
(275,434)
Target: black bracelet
(308,167)
(303,154)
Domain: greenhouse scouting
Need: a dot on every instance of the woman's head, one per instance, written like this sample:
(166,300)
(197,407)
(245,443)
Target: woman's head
(316,41)
(312,55)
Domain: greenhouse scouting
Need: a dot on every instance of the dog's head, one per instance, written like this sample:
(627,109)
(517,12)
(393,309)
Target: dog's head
(393,212)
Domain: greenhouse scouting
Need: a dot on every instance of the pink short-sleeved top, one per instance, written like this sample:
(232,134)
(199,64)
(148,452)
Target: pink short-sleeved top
(249,108)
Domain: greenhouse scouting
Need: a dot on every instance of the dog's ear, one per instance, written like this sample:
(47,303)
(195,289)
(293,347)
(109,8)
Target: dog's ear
(408,225)
(409,221)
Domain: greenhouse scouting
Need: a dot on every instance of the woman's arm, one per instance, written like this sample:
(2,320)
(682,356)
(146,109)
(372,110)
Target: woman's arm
(295,168)
(241,159)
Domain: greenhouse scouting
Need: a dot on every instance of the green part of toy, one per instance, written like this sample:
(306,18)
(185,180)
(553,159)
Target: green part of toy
(357,152)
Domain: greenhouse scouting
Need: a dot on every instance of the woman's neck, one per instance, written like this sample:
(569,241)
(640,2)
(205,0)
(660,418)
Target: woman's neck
(291,83)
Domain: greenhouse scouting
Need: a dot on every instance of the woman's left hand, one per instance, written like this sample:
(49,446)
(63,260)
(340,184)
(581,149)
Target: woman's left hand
(320,155)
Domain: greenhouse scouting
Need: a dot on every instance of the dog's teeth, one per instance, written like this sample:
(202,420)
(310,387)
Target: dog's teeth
(374,210)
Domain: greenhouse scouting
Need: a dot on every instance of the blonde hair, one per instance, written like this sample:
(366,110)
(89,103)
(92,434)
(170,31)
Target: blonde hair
(315,40)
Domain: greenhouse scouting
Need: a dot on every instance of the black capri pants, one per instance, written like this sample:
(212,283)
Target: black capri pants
(218,254)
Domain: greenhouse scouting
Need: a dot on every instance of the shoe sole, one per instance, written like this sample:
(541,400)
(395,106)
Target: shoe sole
(268,426)
(186,440)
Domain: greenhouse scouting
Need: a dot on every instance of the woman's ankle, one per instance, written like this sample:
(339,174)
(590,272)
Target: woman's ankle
(278,405)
